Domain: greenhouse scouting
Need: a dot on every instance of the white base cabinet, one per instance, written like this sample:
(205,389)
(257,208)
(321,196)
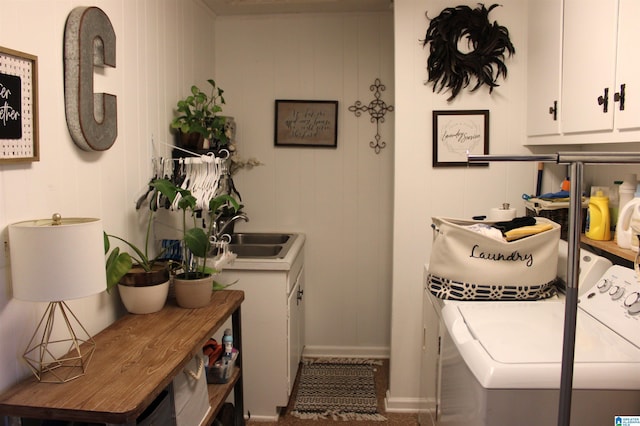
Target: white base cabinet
(273,333)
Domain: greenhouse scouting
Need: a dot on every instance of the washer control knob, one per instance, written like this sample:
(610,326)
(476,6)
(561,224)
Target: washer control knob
(616,292)
(632,299)
(634,309)
(604,285)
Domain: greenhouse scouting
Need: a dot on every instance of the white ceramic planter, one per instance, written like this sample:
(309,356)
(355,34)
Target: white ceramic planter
(144,300)
(144,292)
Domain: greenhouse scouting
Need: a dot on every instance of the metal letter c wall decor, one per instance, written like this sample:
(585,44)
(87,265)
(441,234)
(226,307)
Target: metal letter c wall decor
(89,40)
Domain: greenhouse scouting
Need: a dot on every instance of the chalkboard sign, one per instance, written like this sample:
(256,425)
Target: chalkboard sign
(18,106)
(10,107)
(306,123)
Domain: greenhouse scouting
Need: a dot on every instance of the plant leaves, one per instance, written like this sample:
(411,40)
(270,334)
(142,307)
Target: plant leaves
(117,265)
(197,242)
(217,286)
(187,201)
(166,188)
(220,200)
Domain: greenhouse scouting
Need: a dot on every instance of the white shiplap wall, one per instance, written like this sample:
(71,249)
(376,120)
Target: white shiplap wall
(163,46)
(340,198)
(421,191)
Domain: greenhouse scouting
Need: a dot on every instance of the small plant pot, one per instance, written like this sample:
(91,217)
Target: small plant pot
(144,292)
(191,140)
(193,293)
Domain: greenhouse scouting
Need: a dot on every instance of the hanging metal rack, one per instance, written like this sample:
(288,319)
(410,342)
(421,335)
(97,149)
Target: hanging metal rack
(576,162)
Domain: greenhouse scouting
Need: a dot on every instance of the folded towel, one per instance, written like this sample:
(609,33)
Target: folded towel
(526,231)
(552,195)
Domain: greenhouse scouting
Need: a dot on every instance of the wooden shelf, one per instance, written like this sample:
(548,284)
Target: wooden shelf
(218,394)
(136,358)
(609,247)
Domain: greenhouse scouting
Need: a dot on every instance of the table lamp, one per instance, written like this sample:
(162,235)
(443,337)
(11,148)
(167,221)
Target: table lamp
(53,260)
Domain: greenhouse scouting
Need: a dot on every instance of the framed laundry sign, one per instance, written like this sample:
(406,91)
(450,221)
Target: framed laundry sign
(457,134)
(306,123)
(18,106)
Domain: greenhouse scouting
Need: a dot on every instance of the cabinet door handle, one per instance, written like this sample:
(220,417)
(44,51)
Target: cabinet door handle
(619,96)
(604,100)
(299,296)
(554,110)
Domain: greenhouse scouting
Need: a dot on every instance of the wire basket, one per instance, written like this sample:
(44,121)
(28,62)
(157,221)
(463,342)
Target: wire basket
(559,216)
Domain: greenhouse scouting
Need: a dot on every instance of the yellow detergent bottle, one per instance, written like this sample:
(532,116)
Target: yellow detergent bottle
(598,220)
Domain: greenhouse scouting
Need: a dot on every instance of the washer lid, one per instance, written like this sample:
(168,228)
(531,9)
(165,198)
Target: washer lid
(531,332)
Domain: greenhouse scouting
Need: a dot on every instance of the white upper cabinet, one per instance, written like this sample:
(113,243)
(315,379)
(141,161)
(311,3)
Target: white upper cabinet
(589,59)
(544,61)
(627,109)
(600,71)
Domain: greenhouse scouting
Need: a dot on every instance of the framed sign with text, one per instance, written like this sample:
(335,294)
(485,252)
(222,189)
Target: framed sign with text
(457,134)
(306,123)
(18,106)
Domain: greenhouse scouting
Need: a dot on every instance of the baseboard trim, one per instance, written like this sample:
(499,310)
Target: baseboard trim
(408,405)
(374,352)
(261,418)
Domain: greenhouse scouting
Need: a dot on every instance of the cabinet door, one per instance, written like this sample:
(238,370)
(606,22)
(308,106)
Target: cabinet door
(589,54)
(627,72)
(544,67)
(295,325)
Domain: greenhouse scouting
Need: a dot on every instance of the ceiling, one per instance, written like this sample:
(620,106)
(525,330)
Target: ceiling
(252,7)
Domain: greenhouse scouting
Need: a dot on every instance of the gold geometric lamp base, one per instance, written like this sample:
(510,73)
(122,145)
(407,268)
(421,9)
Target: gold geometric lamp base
(54,260)
(74,351)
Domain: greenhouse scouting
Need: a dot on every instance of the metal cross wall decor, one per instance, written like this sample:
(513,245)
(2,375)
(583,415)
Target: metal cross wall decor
(377,108)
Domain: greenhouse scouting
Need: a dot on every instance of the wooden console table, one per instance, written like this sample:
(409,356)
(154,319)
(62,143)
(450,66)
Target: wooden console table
(136,358)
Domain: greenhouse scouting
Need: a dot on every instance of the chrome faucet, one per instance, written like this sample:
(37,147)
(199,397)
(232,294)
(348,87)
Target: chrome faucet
(219,227)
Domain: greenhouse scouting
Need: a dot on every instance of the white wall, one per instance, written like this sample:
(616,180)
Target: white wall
(421,191)
(340,198)
(163,46)
(606,175)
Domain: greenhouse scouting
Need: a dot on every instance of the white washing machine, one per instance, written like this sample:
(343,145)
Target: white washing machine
(500,362)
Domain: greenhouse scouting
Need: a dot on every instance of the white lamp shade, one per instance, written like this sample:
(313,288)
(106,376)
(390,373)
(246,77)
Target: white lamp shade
(57,262)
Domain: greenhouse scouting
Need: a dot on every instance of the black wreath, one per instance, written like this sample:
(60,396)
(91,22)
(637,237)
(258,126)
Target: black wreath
(452,69)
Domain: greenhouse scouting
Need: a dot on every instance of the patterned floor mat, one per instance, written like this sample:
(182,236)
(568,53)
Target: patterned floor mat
(343,390)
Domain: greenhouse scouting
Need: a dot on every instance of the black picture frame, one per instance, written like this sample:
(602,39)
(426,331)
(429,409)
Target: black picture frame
(458,133)
(306,123)
(19,98)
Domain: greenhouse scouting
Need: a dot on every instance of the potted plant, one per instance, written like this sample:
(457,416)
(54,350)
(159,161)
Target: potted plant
(194,281)
(199,124)
(143,282)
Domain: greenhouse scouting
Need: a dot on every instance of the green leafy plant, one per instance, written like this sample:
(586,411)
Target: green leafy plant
(199,113)
(119,262)
(196,239)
